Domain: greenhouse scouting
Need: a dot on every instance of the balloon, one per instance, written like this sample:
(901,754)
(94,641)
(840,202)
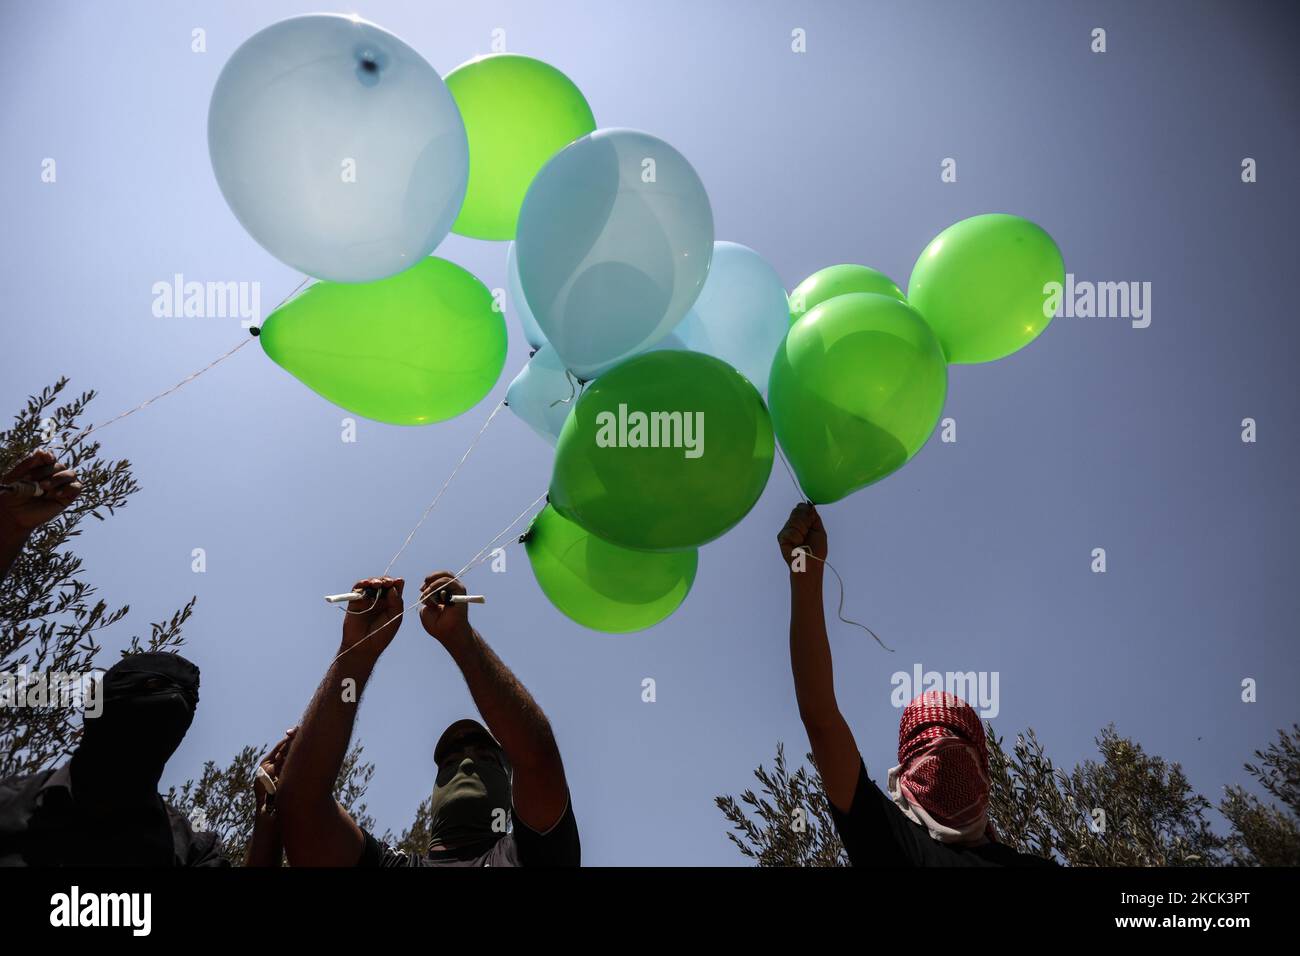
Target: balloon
(982,286)
(518,304)
(600,585)
(741,314)
(518,113)
(614,241)
(663,453)
(837,280)
(855,391)
(542,394)
(418,347)
(337,147)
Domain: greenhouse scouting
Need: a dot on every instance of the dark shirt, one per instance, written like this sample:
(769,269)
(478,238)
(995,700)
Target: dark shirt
(42,825)
(522,846)
(876,833)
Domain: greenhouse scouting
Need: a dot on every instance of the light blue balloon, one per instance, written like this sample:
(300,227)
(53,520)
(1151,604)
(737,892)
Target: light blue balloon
(613,243)
(741,315)
(542,395)
(518,304)
(337,147)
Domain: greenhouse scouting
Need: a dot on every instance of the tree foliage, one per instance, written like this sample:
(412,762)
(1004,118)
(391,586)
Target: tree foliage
(1264,835)
(791,821)
(222,800)
(1128,808)
(51,618)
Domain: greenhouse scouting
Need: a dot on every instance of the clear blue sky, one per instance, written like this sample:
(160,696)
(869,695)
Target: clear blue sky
(974,557)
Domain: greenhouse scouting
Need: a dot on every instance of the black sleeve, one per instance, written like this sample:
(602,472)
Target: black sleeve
(875,832)
(558,846)
(206,851)
(374,853)
(194,847)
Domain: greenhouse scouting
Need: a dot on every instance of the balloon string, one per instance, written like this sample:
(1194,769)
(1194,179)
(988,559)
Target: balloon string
(438,497)
(573,390)
(483,552)
(473,562)
(81,436)
(790,471)
(840,611)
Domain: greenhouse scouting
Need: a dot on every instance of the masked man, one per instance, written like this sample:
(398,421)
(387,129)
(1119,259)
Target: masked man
(488,777)
(936,813)
(102,807)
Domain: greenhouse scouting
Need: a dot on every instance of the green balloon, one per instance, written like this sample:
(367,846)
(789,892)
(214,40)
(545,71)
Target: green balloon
(518,113)
(838,280)
(600,585)
(664,452)
(982,284)
(421,346)
(855,391)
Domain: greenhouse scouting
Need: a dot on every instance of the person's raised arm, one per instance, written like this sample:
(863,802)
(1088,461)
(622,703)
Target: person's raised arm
(317,830)
(511,714)
(833,746)
(266,848)
(31,493)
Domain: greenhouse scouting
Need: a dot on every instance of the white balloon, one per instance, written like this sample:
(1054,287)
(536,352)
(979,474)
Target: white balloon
(338,147)
(741,315)
(543,394)
(518,304)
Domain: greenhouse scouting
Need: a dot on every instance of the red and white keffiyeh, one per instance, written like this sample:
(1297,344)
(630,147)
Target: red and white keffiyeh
(942,777)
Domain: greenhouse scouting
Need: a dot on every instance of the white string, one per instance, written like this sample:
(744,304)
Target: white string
(438,497)
(790,471)
(475,561)
(840,611)
(373,605)
(81,436)
(424,596)
(573,390)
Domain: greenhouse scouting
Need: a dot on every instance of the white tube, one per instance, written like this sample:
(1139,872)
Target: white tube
(358,595)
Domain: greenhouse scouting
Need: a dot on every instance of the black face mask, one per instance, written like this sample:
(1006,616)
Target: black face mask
(471,799)
(149,704)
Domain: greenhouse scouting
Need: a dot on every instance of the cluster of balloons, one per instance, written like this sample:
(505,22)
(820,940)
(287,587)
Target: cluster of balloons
(653,344)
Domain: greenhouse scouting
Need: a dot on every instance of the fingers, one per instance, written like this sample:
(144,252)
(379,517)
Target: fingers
(440,581)
(390,593)
(27,468)
(802,517)
(274,761)
(63,486)
(275,758)
(393,594)
(52,478)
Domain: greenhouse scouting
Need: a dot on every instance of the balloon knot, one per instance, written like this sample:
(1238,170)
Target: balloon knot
(254,330)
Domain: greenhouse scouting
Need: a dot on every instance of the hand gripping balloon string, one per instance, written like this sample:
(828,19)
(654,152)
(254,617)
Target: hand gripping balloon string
(840,611)
(438,497)
(473,562)
(22,490)
(81,435)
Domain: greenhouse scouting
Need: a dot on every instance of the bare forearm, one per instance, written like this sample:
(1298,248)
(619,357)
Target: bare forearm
(266,847)
(810,649)
(507,708)
(312,766)
(833,746)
